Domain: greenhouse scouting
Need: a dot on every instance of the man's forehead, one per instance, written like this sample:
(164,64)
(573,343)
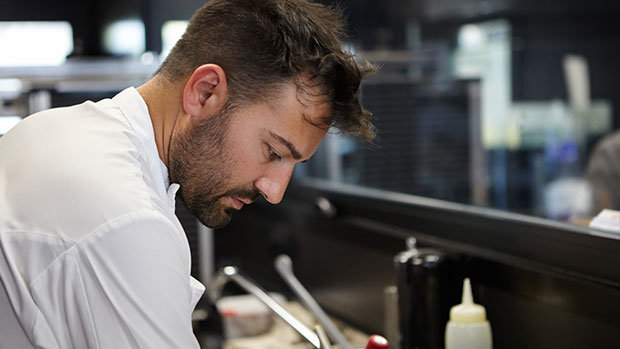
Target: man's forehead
(308,102)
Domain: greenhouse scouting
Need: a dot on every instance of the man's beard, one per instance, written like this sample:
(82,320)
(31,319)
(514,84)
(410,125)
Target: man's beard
(197,161)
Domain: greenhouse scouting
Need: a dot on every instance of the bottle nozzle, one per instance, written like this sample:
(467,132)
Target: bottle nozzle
(467,297)
(467,311)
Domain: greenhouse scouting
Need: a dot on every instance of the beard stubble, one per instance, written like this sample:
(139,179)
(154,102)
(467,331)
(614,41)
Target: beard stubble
(197,160)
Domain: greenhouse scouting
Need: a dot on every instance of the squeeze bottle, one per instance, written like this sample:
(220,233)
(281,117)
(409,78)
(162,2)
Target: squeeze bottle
(468,327)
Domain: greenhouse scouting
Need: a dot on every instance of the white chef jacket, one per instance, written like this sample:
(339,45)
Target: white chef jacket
(91,252)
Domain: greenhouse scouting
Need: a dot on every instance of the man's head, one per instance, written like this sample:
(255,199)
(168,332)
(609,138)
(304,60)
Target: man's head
(264,80)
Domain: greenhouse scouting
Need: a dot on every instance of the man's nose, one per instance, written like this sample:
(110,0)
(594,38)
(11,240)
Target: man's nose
(273,184)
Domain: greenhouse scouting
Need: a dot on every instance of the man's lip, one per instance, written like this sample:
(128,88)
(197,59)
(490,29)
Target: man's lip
(237,204)
(244,200)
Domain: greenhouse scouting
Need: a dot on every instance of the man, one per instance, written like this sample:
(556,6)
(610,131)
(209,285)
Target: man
(91,253)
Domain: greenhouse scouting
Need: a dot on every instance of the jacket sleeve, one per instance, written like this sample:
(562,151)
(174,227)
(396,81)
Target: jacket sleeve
(127,285)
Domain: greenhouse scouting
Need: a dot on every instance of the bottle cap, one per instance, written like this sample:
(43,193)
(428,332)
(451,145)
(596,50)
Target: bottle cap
(467,312)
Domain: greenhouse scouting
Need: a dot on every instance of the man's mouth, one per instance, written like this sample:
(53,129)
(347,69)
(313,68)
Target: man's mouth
(238,203)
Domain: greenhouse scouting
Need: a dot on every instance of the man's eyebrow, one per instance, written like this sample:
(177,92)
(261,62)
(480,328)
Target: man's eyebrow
(294,152)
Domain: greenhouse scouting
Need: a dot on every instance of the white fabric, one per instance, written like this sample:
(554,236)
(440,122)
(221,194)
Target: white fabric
(91,253)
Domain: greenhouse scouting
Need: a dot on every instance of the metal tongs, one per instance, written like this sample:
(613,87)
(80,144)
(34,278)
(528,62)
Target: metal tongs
(284,266)
(324,341)
(231,273)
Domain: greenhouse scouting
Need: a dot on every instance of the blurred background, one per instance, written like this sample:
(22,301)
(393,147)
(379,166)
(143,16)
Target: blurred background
(497,142)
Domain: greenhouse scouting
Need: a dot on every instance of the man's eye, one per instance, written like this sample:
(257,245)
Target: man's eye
(273,155)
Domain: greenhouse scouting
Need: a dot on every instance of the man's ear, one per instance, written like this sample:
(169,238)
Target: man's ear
(206,92)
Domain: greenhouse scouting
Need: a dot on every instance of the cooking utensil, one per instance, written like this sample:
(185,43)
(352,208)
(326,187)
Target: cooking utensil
(284,266)
(232,273)
(322,337)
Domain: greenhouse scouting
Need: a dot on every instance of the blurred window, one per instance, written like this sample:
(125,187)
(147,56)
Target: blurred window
(125,37)
(171,32)
(35,43)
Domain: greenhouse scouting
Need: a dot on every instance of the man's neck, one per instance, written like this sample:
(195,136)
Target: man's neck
(164,102)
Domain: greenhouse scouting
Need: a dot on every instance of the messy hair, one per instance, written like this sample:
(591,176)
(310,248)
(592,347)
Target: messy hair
(262,44)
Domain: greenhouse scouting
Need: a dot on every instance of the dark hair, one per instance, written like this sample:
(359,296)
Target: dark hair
(262,44)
